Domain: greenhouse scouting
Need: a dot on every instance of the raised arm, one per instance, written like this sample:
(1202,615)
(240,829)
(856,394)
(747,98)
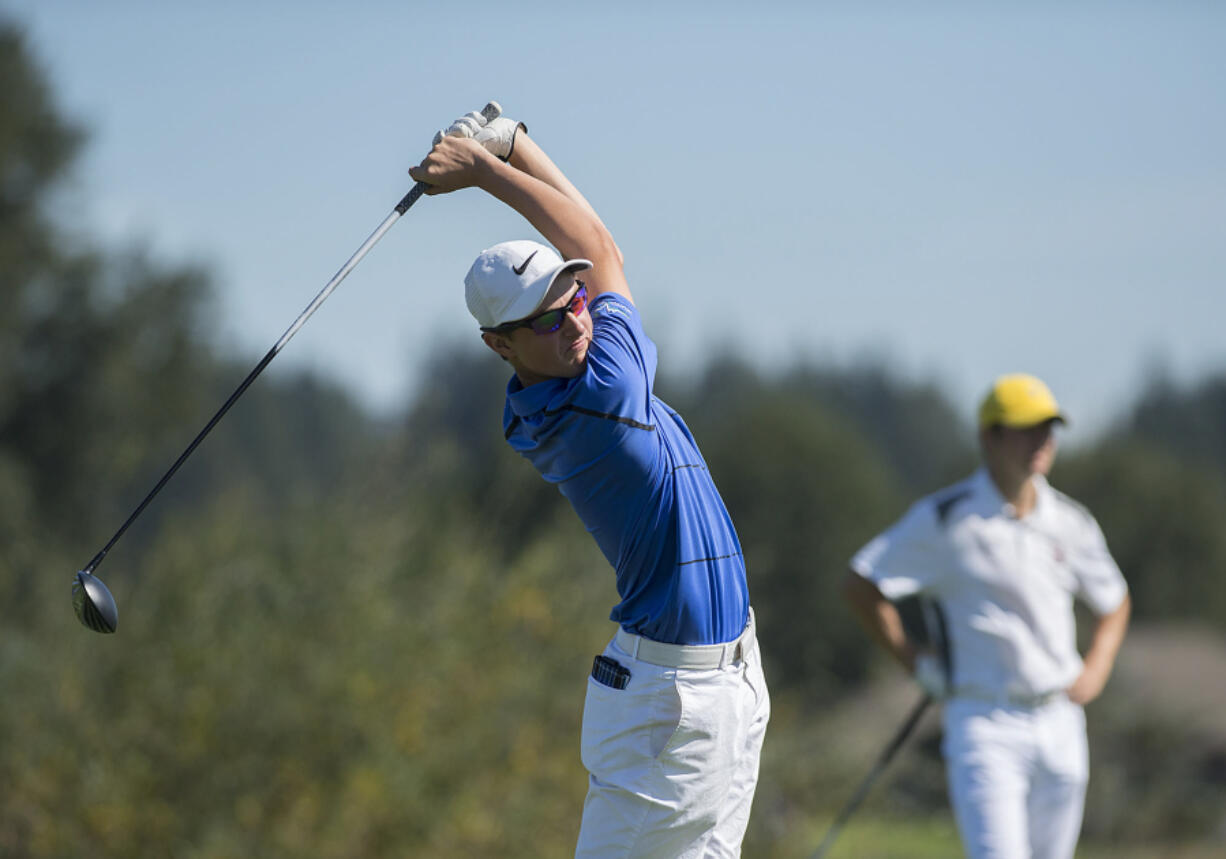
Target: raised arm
(533,186)
(531,159)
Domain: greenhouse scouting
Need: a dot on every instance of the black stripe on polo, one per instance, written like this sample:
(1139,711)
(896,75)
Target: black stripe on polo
(946,505)
(591,413)
(704,560)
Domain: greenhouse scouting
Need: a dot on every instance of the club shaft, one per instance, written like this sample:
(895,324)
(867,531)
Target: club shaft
(886,756)
(403,206)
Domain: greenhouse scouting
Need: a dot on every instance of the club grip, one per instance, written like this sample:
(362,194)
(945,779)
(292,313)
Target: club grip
(410,198)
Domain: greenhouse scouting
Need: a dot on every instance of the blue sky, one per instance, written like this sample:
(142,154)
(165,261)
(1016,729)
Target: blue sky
(966,190)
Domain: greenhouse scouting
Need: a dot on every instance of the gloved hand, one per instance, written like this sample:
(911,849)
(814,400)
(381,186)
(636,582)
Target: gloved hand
(470,123)
(498,136)
(489,128)
(930,675)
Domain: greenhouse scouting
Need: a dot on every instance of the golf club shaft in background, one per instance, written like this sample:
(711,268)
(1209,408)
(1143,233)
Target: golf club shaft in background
(403,206)
(886,756)
(936,630)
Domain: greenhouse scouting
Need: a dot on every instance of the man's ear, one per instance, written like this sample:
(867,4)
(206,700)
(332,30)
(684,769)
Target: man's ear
(499,344)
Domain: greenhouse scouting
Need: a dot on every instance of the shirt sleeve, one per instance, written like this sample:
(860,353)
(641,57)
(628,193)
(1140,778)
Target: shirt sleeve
(1100,583)
(905,559)
(621,362)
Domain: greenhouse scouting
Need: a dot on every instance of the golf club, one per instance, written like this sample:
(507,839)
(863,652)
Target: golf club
(887,755)
(933,617)
(91,599)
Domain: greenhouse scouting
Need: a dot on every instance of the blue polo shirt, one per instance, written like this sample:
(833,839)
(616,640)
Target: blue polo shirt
(629,466)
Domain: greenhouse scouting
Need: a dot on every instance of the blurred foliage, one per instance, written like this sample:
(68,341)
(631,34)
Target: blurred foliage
(343,638)
(1163,518)
(1187,423)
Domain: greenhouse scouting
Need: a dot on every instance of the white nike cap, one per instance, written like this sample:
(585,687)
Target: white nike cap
(508,281)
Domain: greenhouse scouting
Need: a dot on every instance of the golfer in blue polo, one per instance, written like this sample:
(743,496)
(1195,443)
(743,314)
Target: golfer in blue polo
(677,705)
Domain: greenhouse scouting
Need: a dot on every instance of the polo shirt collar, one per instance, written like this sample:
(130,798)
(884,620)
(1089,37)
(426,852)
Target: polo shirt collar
(534,398)
(986,488)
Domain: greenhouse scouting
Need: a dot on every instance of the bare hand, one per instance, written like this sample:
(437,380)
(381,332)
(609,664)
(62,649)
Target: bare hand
(453,163)
(1087,687)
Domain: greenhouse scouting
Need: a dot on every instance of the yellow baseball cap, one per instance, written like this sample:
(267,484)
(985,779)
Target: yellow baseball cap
(1018,400)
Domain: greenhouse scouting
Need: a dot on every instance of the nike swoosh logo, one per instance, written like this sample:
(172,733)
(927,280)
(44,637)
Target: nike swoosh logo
(520,269)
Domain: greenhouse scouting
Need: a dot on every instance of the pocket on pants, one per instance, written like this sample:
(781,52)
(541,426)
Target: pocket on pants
(756,680)
(1063,744)
(626,729)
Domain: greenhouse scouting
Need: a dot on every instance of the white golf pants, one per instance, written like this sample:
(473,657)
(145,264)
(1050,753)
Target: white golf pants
(1017,777)
(672,758)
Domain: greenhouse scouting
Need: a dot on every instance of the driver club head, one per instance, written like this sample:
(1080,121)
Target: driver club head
(93,603)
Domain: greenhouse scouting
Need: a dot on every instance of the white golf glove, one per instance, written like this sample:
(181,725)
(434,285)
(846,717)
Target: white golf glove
(490,128)
(470,123)
(498,136)
(930,675)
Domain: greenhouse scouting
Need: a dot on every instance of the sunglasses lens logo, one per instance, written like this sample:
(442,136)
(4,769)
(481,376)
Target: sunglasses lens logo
(549,322)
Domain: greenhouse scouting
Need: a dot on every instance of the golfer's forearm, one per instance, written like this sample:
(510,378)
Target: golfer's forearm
(570,227)
(879,618)
(574,230)
(531,159)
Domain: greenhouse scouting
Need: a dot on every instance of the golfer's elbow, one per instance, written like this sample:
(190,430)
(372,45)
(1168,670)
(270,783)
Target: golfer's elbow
(600,248)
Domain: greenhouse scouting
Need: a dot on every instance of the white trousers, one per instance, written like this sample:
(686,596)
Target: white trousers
(1017,777)
(672,759)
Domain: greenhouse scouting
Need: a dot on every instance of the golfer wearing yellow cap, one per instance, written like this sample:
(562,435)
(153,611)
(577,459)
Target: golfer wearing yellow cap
(1005,555)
